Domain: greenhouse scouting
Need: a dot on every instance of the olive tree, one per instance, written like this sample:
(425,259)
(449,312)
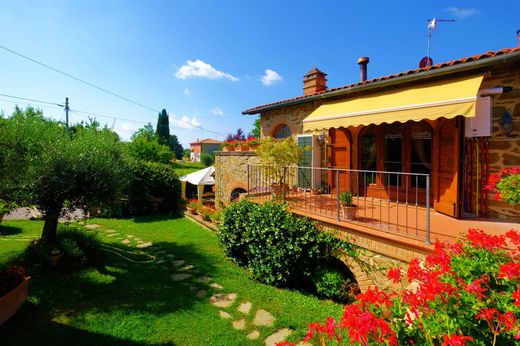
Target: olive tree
(83,167)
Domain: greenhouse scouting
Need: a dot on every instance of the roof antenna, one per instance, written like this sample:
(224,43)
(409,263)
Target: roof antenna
(432,24)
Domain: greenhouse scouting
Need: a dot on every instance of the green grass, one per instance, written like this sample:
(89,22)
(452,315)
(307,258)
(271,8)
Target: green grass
(126,303)
(187,167)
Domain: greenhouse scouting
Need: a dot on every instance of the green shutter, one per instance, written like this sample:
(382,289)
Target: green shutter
(305,174)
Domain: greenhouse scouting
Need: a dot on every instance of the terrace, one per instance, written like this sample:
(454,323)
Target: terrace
(391,205)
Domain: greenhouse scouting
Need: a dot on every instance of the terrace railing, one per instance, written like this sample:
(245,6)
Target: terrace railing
(394,202)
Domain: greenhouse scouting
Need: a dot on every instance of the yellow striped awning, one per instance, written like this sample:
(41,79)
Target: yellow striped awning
(447,98)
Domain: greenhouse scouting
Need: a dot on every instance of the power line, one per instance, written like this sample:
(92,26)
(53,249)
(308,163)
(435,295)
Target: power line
(78,79)
(33,100)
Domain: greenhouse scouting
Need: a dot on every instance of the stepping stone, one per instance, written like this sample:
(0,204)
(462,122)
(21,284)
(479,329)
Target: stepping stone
(125,241)
(130,236)
(111,231)
(161,252)
(263,318)
(92,226)
(203,278)
(239,324)
(217,286)
(222,300)
(224,314)
(138,239)
(144,245)
(170,255)
(113,234)
(245,308)
(159,262)
(253,335)
(178,263)
(180,277)
(277,337)
(201,293)
(186,268)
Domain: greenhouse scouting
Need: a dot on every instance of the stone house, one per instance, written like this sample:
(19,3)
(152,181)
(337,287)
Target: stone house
(199,147)
(414,148)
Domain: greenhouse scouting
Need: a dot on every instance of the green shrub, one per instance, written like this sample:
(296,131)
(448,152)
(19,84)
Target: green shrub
(277,247)
(206,159)
(153,188)
(79,247)
(329,282)
(233,231)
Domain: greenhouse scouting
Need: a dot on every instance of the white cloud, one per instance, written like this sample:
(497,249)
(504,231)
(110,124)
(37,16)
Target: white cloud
(125,130)
(271,77)
(461,13)
(185,122)
(199,68)
(187,91)
(217,111)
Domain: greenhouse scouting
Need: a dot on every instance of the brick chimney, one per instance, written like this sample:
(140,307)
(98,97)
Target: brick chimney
(314,81)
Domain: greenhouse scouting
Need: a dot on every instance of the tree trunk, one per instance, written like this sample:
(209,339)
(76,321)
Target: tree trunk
(50,227)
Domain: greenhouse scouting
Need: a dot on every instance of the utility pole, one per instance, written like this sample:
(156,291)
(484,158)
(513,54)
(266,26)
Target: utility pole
(67,114)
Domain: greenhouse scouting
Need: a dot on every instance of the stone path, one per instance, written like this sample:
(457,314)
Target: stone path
(243,315)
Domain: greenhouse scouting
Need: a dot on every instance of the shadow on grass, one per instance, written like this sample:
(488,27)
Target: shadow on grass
(119,297)
(10,230)
(61,334)
(157,217)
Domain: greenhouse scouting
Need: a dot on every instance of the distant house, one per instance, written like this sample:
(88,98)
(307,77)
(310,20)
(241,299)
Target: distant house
(199,147)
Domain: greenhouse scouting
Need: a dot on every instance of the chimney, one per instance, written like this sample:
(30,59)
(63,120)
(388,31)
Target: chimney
(363,62)
(314,81)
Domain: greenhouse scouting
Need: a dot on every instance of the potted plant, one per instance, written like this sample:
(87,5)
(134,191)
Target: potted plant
(315,191)
(14,287)
(230,145)
(277,155)
(216,216)
(349,209)
(253,143)
(243,146)
(192,207)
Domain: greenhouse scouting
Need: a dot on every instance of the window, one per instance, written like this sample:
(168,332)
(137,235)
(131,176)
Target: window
(305,174)
(368,150)
(282,131)
(421,152)
(392,151)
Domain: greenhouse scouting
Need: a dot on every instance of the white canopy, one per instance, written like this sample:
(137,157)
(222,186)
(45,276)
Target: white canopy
(202,177)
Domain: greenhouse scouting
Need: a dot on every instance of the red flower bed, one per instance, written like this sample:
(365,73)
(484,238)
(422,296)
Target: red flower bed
(463,293)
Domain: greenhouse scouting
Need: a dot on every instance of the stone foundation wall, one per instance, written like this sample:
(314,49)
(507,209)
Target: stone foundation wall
(504,151)
(376,257)
(231,172)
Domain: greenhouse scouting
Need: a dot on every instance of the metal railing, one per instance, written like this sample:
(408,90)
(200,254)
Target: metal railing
(391,201)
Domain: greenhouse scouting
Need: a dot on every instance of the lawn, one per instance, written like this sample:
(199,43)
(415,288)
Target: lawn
(187,167)
(132,301)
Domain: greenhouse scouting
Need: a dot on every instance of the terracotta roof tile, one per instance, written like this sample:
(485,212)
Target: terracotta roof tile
(488,54)
(207,141)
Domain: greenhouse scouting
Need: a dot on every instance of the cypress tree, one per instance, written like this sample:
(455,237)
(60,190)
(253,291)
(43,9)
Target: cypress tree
(163,128)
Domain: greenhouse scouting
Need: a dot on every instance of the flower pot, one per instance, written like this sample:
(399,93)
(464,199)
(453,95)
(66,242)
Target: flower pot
(12,300)
(350,212)
(244,148)
(315,192)
(55,257)
(253,147)
(229,148)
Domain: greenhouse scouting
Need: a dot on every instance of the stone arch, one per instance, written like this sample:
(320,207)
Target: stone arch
(276,125)
(362,277)
(234,187)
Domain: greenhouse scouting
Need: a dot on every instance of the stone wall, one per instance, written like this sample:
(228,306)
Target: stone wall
(504,151)
(231,172)
(292,116)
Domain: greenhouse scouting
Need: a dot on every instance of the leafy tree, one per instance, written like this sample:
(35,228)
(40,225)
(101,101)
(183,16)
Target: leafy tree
(83,168)
(163,128)
(176,147)
(256,128)
(151,151)
(206,159)
(186,153)
(146,132)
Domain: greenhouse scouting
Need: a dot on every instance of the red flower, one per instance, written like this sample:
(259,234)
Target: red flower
(373,296)
(395,275)
(455,340)
(475,288)
(516,297)
(510,270)
(479,239)
(415,272)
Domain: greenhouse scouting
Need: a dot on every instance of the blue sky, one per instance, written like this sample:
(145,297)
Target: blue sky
(207,61)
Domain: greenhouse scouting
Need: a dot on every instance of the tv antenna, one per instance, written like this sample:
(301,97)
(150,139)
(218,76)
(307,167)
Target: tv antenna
(432,24)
